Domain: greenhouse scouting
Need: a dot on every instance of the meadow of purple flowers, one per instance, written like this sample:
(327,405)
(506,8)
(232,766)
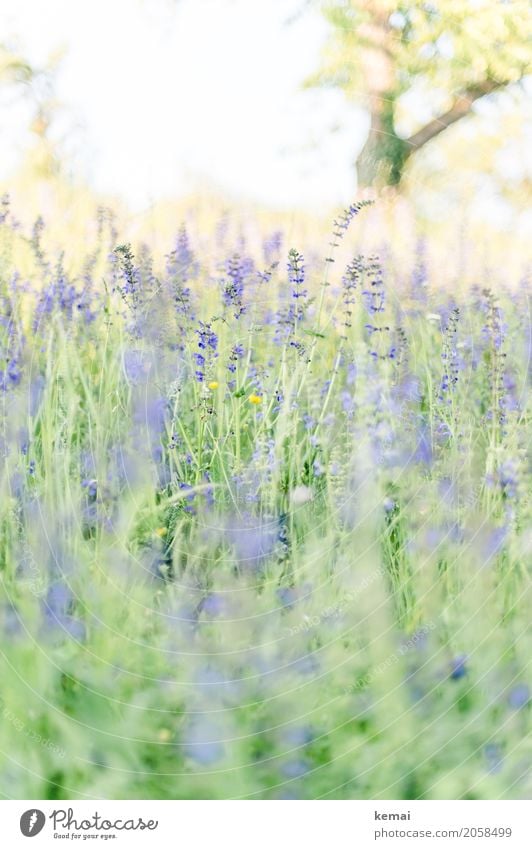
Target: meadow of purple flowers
(265,523)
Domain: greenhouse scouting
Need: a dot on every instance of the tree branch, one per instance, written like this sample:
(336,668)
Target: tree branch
(461,106)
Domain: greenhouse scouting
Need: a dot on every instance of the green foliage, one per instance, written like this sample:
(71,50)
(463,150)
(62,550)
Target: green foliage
(14,68)
(379,50)
(263,583)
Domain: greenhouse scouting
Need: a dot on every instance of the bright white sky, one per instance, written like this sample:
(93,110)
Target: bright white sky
(168,95)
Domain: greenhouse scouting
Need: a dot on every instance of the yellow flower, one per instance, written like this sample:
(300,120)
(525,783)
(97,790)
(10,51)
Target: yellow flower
(255,399)
(161,532)
(213,384)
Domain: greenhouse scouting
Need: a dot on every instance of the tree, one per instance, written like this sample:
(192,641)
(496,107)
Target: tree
(447,52)
(14,68)
(36,85)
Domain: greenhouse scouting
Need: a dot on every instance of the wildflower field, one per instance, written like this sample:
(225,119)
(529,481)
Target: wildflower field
(265,521)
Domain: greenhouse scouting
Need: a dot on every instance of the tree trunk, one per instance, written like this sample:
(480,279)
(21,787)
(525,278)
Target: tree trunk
(371,154)
(384,154)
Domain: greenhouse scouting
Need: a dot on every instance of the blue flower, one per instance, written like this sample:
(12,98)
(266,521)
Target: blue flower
(236,270)
(494,756)
(458,667)
(213,604)
(91,486)
(508,479)
(237,352)
(207,344)
(57,609)
(519,696)
(202,743)
(288,596)
(341,224)
(296,768)
(272,247)
(296,278)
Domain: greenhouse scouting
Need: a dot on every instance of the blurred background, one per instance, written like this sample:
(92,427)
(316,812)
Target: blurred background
(288,107)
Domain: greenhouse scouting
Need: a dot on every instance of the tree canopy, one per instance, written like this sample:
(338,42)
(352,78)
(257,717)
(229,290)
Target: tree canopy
(449,53)
(35,84)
